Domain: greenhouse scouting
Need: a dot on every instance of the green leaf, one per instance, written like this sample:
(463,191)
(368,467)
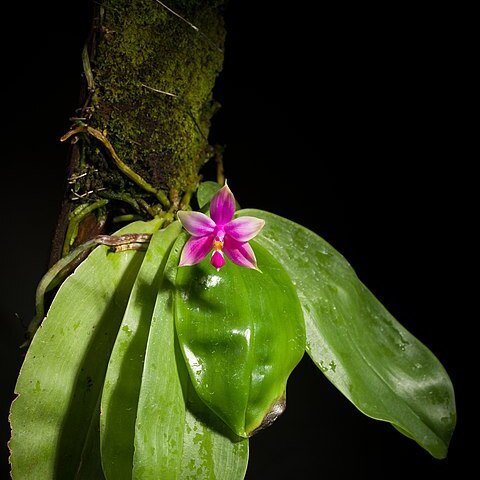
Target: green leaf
(90,464)
(242,333)
(368,355)
(148,431)
(124,374)
(205,192)
(160,415)
(55,416)
(210,450)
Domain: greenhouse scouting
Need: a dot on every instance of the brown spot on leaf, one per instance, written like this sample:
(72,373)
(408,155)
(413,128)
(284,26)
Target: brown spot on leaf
(277,408)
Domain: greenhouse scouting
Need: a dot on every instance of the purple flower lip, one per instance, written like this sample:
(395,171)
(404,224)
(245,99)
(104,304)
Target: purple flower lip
(219,233)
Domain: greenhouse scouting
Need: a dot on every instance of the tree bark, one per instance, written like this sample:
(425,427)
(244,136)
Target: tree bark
(139,138)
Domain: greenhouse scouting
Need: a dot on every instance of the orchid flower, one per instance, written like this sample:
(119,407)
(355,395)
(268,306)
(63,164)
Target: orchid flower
(218,232)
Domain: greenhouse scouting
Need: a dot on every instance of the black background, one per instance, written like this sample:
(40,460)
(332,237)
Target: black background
(353,121)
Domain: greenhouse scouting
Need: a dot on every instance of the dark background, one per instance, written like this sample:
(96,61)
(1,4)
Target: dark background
(352,121)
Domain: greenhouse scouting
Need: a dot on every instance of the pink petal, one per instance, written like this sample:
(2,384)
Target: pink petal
(196,223)
(195,250)
(240,253)
(244,229)
(222,207)
(217,260)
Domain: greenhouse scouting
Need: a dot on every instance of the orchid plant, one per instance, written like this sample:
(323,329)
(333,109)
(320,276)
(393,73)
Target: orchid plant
(165,373)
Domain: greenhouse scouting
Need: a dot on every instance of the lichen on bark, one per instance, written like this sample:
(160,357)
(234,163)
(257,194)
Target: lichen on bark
(150,68)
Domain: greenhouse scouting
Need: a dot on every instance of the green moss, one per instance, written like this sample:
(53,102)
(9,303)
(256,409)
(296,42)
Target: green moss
(163,138)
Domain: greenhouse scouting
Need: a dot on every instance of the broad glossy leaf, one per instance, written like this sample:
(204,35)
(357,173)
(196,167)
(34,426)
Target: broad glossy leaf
(148,429)
(124,374)
(210,450)
(241,333)
(160,415)
(55,416)
(365,352)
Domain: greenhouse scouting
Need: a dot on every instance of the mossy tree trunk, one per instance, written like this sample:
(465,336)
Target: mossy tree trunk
(140,135)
